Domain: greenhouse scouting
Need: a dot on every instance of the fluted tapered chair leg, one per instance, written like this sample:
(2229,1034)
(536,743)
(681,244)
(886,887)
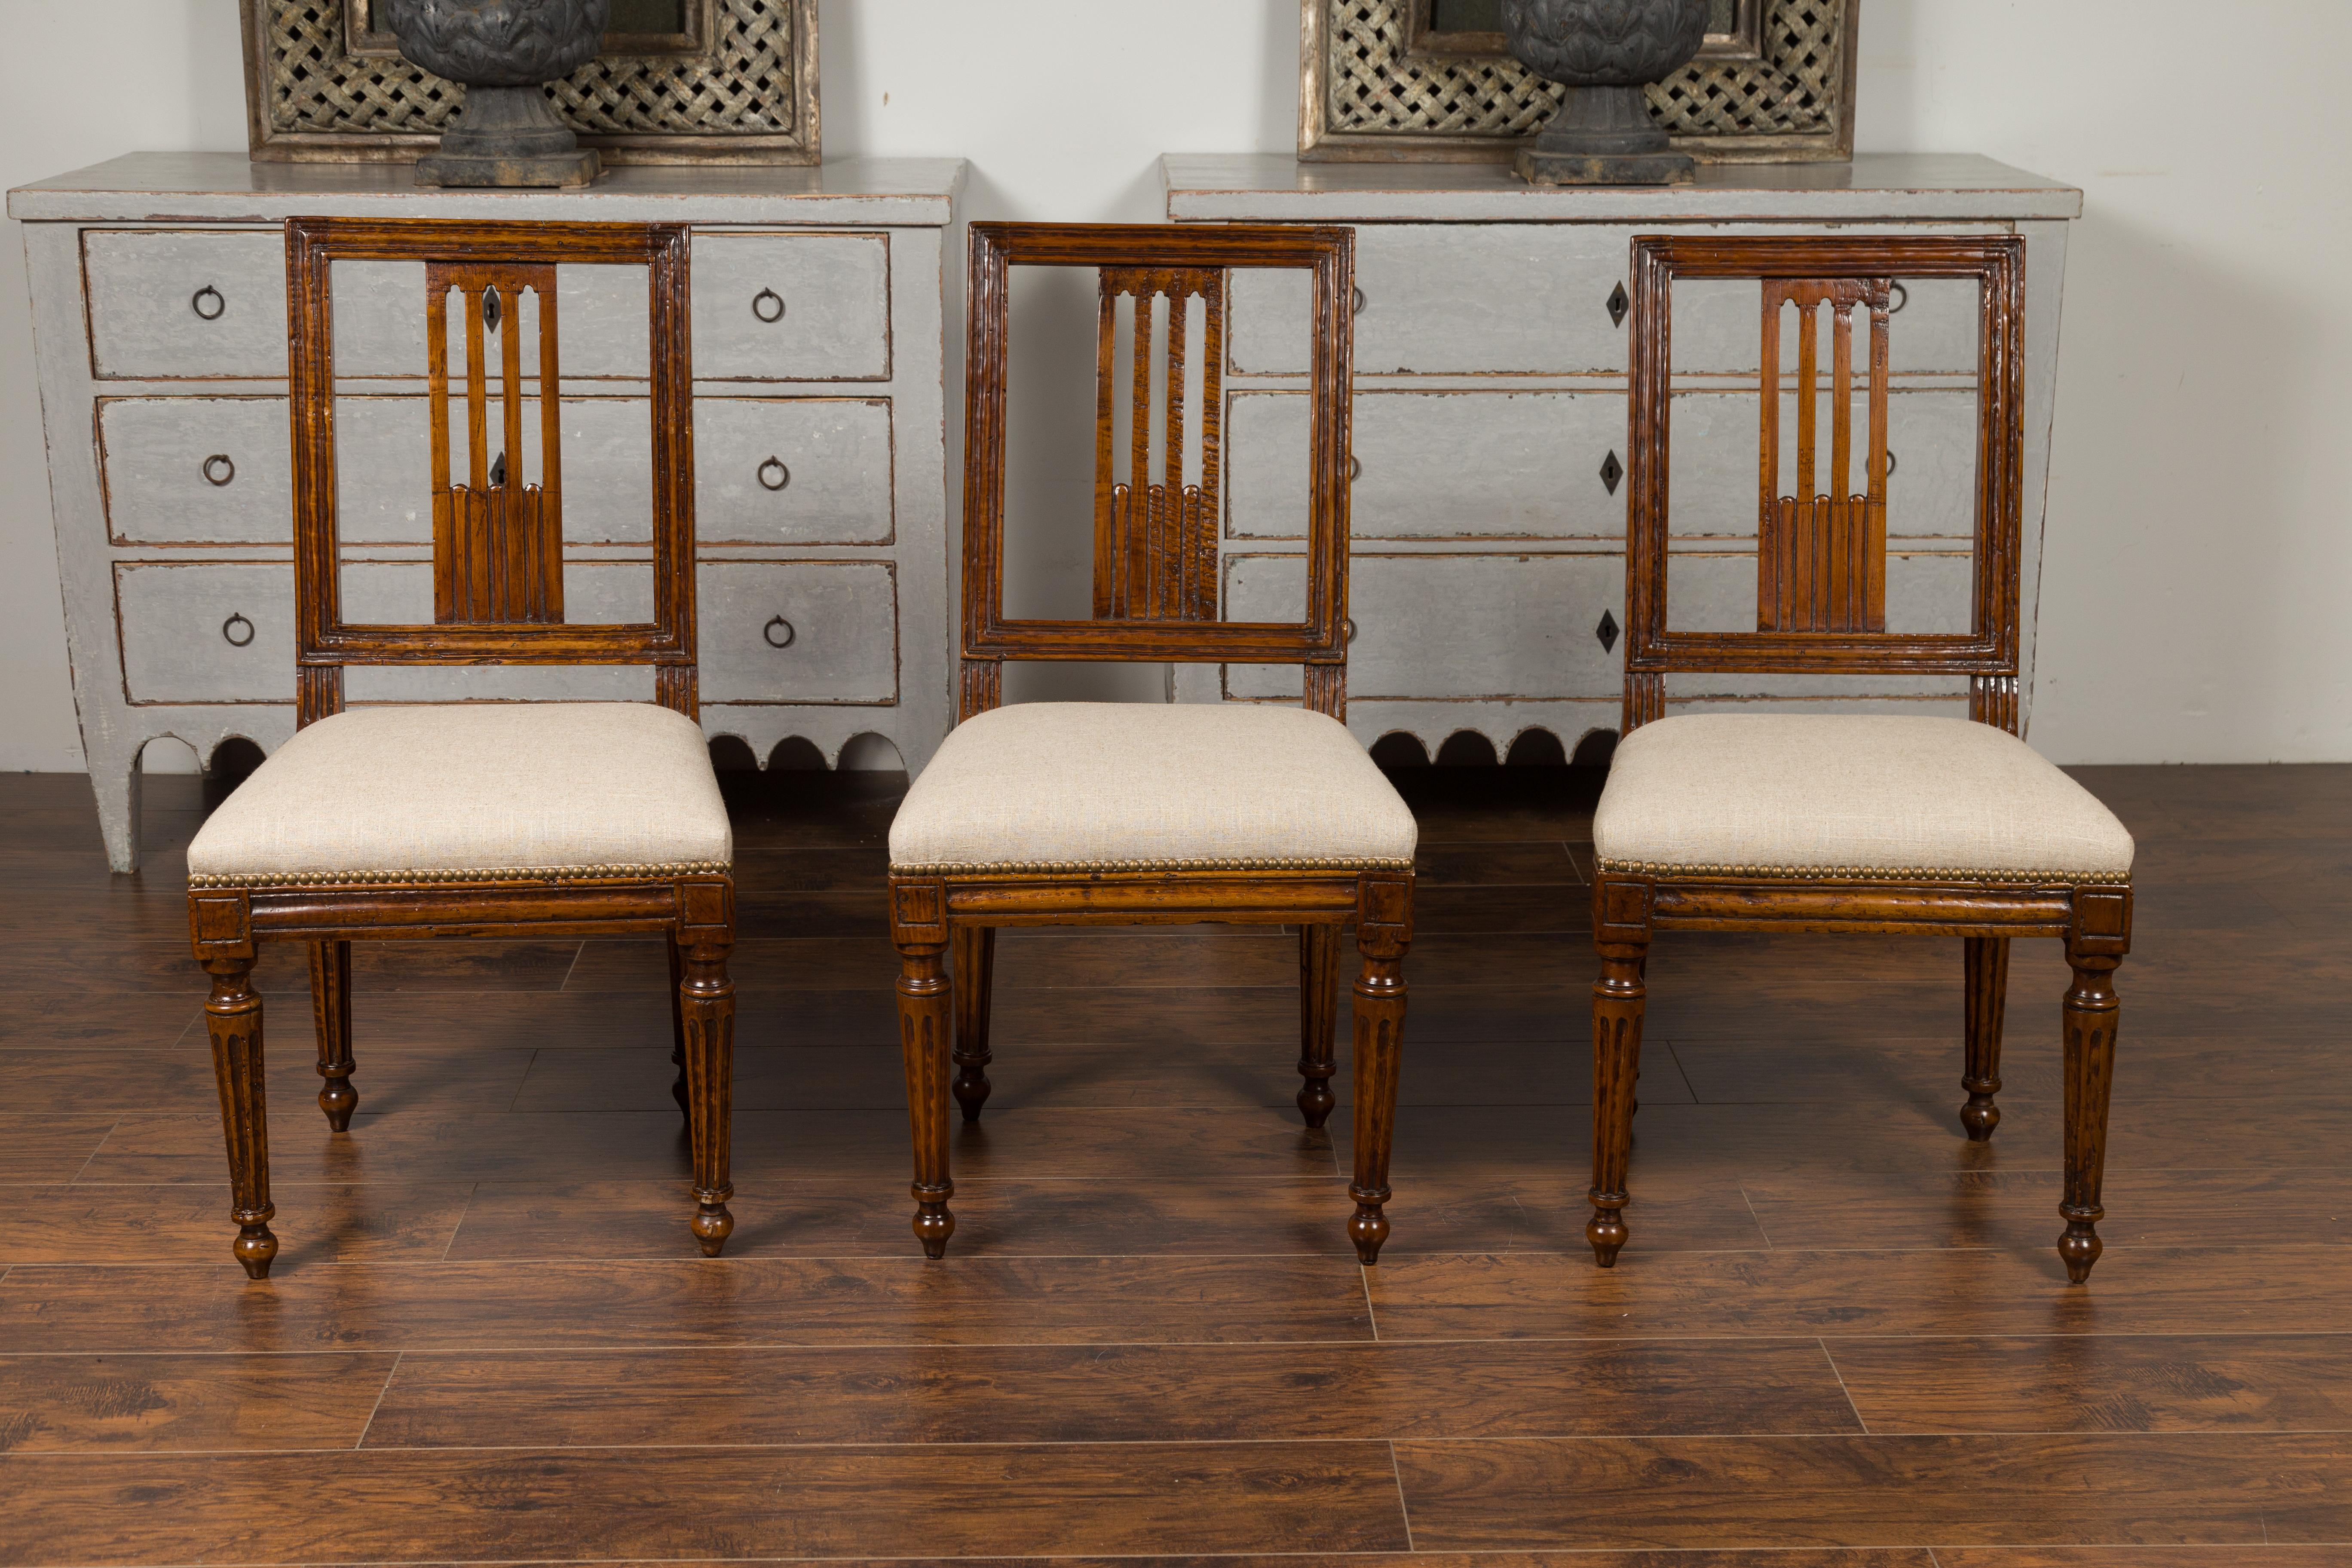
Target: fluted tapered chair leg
(926,1003)
(1618,999)
(233,1019)
(2092,1012)
(706,1012)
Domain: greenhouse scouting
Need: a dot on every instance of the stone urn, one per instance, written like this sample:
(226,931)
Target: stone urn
(502,51)
(1604,52)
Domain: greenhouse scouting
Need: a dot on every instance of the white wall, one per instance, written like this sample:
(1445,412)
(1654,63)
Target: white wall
(2197,566)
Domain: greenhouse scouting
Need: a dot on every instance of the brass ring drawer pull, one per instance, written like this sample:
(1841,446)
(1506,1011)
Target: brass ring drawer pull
(228,631)
(196,303)
(1358,303)
(1902,298)
(1354,466)
(219,469)
(1348,626)
(774,474)
(776,625)
(768,305)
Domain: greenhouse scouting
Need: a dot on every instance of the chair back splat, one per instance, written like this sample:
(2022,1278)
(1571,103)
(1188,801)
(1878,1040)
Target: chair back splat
(1155,590)
(498,539)
(1821,554)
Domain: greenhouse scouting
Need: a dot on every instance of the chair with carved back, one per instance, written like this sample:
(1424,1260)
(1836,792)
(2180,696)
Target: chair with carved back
(1845,822)
(1121,813)
(481,819)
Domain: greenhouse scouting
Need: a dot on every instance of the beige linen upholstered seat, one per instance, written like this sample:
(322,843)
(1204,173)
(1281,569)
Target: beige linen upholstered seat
(1149,786)
(1861,795)
(498,791)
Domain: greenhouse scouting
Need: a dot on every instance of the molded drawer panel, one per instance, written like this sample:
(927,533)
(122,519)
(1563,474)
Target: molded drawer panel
(1436,464)
(842,646)
(830,300)
(1453,299)
(808,471)
(149,305)
(176,633)
(839,631)
(210,304)
(196,470)
(1490,625)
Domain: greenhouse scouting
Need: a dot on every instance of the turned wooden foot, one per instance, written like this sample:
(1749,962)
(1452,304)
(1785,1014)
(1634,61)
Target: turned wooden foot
(331,1007)
(973,949)
(1987,999)
(1318,1022)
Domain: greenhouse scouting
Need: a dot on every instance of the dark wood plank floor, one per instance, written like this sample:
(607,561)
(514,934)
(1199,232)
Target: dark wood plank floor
(1840,1338)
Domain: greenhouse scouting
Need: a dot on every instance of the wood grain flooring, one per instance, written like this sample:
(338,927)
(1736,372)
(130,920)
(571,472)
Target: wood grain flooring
(1840,1338)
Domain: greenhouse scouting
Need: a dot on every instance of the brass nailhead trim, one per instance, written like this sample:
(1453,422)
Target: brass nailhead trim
(494,874)
(1002,867)
(1864,873)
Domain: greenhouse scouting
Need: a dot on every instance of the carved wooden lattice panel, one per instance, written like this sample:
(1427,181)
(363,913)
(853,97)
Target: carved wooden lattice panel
(1376,88)
(745,87)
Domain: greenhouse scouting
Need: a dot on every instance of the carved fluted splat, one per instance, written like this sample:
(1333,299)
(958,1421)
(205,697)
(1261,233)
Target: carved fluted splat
(1156,544)
(1820,558)
(498,543)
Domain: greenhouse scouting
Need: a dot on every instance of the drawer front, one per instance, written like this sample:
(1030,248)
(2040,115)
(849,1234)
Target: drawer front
(196,470)
(839,631)
(210,304)
(222,631)
(769,470)
(1489,626)
(1436,464)
(1712,481)
(170,304)
(180,644)
(1453,299)
(791,307)
(808,471)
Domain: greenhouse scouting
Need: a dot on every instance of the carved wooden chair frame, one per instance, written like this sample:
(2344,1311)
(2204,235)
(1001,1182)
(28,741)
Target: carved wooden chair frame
(1155,600)
(497,594)
(1822,610)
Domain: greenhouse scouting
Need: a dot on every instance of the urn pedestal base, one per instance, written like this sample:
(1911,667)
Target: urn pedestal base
(509,136)
(1602,135)
(1544,167)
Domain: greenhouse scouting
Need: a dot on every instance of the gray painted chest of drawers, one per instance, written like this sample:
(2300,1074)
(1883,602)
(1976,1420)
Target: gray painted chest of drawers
(1490,415)
(821,302)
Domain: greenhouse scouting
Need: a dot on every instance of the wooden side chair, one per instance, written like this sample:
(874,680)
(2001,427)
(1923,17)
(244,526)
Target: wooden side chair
(514,820)
(1111,814)
(1921,826)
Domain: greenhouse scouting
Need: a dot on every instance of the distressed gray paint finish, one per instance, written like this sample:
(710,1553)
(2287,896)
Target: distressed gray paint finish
(138,389)
(1484,296)
(1436,464)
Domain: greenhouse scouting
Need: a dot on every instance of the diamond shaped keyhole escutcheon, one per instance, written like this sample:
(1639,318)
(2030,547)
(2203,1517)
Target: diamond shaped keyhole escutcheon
(1611,471)
(1618,306)
(1607,632)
